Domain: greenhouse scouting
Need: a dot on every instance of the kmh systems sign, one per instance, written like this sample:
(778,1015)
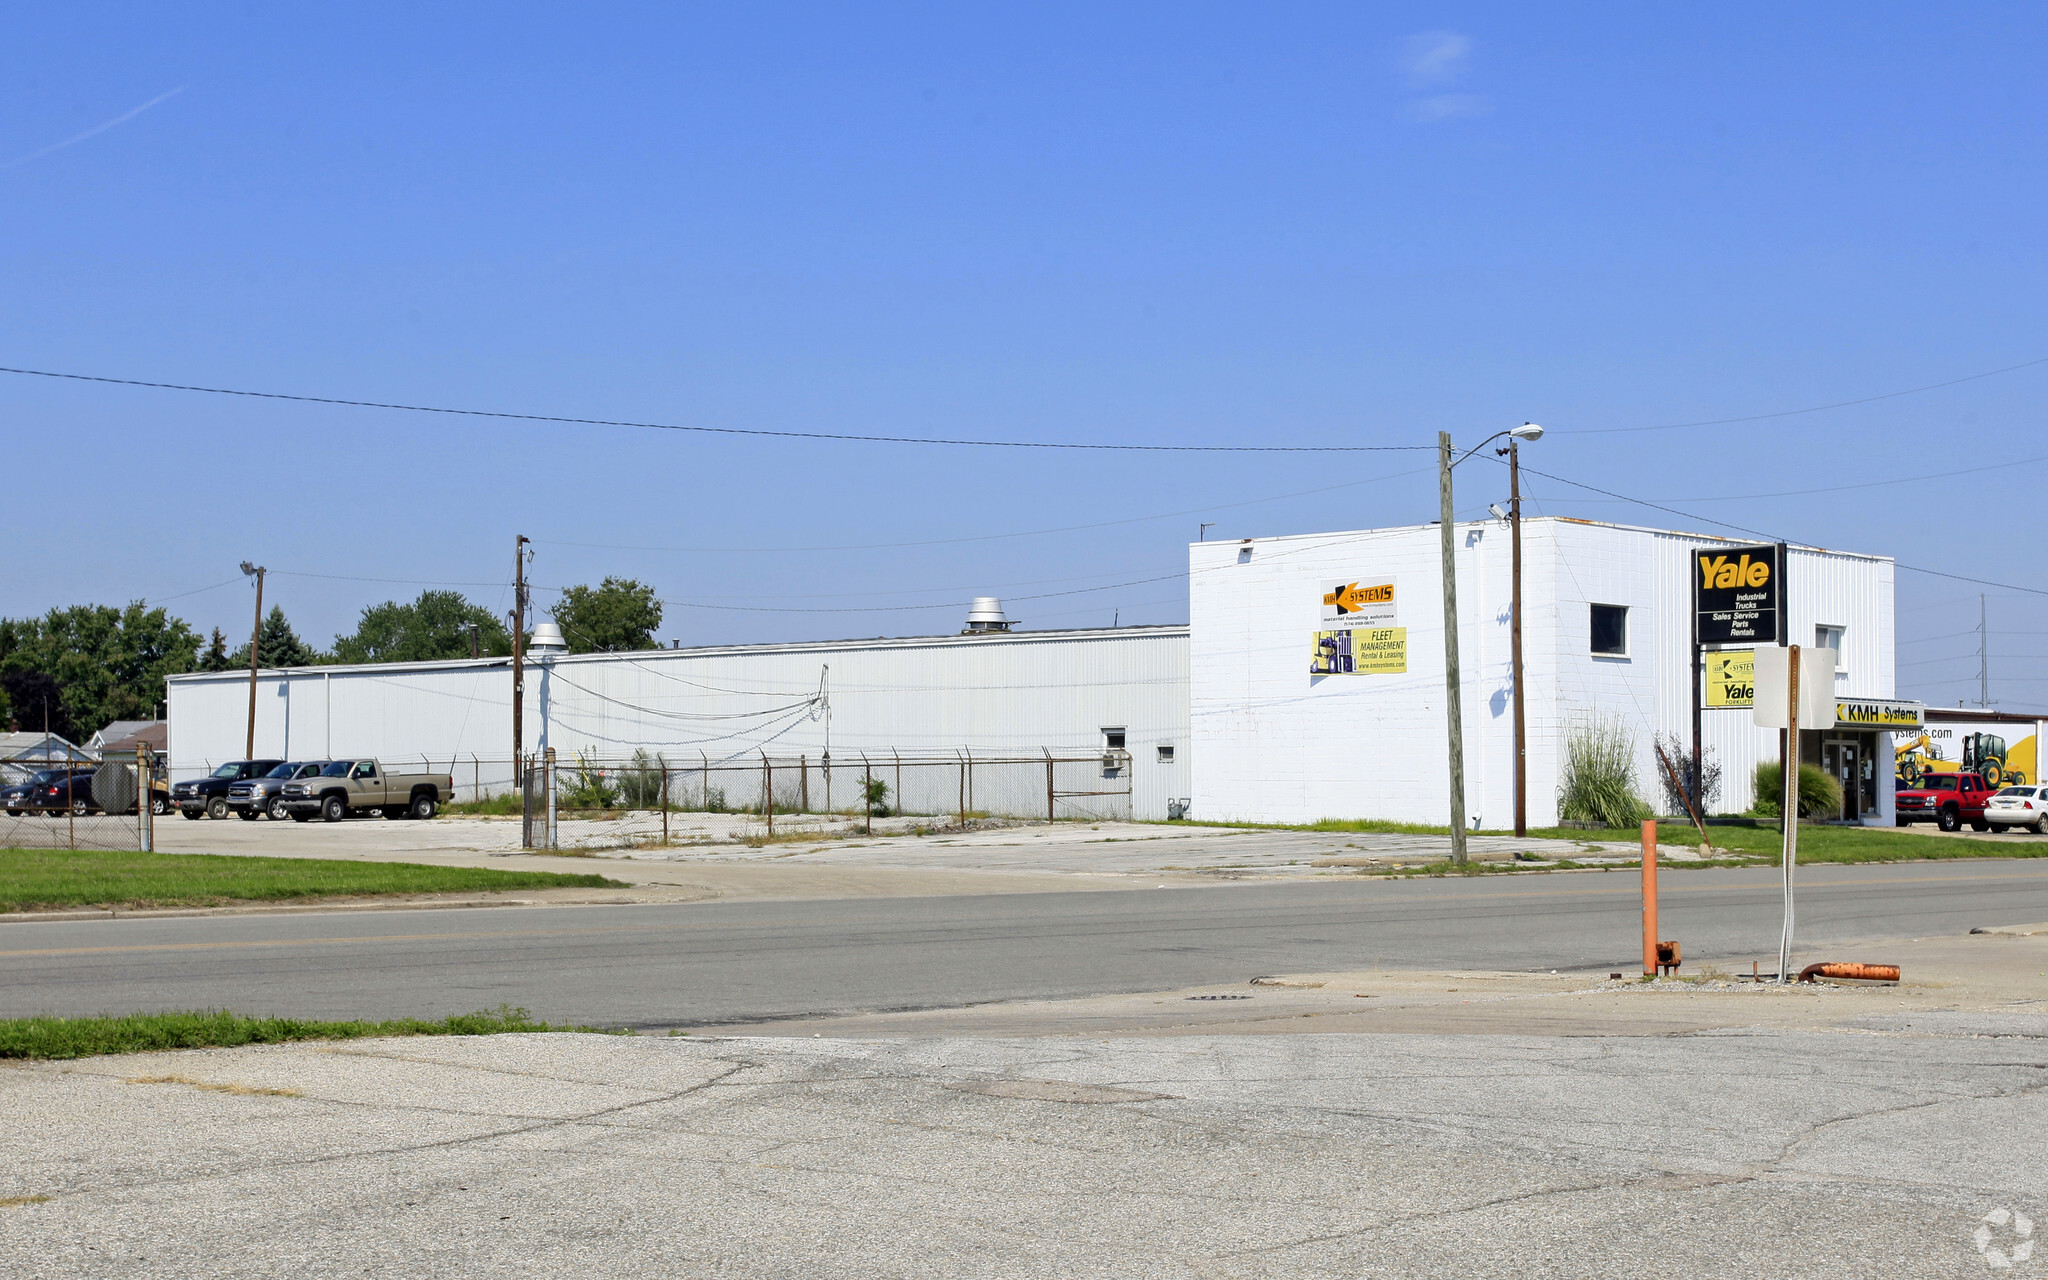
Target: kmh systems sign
(1739,594)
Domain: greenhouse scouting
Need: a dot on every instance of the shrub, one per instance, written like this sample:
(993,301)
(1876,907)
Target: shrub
(640,782)
(1598,781)
(877,797)
(1680,755)
(1820,796)
(592,789)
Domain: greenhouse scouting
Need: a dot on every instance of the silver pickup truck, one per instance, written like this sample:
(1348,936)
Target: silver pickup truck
(347,787)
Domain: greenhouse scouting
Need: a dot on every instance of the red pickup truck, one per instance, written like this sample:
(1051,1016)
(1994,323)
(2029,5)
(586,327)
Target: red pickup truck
(1946,799)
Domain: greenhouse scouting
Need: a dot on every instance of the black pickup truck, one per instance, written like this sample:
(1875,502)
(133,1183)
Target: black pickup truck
(209,795)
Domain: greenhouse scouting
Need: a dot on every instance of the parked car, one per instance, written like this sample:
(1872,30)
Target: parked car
(1946,799)
(366,786)
(63,791)
(2019,807)
(20,798)
(209,795)
(251,798)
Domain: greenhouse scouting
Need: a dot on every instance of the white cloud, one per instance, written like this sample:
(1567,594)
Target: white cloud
(123,118)
(1448,106)
(1435,57)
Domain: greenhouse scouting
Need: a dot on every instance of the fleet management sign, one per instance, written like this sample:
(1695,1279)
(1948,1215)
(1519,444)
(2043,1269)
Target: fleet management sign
(1739,594)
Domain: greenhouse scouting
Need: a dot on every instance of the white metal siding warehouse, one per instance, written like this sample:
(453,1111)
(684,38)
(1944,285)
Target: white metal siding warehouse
(1274,742)
(1009,693)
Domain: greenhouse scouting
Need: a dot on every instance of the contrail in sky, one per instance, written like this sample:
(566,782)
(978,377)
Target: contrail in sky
(123,118)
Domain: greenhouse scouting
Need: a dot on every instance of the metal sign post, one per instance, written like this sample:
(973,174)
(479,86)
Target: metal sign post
(1788,811)
(1794,690)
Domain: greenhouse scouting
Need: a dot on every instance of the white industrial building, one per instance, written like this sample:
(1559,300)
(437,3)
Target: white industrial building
(1118,695)
(1261,709)
(1275,741)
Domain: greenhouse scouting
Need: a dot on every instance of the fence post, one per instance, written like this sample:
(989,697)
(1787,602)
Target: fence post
(145,799)
(867,794)
(522,786)
(704,783)
(899,778)
(476,777)
(554,829)
(963,793)
(768,792)
(803,786)
(1048,784)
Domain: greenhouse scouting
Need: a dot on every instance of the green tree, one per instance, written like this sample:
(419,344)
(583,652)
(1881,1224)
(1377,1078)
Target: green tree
(280,646)
(432,628)
(107,663)
(216,656)
(617,615)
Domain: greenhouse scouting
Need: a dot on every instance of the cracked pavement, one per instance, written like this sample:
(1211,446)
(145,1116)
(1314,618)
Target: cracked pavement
(1869,1145)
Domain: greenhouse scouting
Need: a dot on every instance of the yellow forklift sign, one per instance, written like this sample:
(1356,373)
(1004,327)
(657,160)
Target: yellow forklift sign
(1731,678)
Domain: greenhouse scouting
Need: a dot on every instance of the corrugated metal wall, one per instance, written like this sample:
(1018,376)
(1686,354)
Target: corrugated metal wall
(1273,743)
(993,695)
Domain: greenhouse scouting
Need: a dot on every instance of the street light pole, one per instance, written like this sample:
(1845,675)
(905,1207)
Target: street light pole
(1453,696)
(519,660)
(1515,638)
(255,571)
(1454,711)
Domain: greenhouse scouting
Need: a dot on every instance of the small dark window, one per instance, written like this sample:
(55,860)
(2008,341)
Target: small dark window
(1166,753)
(1610,630)
(1113,739)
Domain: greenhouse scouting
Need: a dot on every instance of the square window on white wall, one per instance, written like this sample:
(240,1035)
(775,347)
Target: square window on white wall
(1610,631)
(1827,637)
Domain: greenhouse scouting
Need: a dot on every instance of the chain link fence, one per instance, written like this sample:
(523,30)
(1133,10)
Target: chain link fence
(948,790)
(84,805)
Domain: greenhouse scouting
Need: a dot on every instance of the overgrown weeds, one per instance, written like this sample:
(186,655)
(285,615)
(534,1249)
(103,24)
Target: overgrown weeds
(44,1037)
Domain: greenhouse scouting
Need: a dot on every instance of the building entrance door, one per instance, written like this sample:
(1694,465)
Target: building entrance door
(1844,759)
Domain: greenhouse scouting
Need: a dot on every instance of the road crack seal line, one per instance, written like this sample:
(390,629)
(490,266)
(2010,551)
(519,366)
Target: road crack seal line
(444,1144)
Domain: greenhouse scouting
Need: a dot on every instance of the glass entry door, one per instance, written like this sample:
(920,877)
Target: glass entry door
(1845,762)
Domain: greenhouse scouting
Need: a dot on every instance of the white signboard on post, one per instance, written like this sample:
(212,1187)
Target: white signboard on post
(1774,691)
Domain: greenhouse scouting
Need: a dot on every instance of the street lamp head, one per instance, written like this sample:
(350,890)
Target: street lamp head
(1527,431)
(248,570)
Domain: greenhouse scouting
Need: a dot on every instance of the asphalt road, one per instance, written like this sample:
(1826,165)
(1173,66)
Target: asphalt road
(707,963)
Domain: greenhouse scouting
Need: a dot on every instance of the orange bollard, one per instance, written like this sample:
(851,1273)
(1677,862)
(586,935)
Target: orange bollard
(1650,898)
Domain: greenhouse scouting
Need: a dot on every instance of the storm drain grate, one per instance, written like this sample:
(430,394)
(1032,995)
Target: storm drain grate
(1219,997)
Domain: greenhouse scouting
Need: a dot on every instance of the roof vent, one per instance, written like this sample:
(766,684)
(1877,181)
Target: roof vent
(985,615)
(547,638)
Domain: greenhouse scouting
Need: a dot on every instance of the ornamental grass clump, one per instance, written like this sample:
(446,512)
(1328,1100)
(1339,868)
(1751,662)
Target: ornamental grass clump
(1820,796)
(1598,780)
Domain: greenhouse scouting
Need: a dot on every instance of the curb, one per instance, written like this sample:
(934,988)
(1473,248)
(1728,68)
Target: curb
(172,913)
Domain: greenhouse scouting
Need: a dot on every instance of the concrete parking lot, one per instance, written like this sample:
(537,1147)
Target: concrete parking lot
(1824,1134)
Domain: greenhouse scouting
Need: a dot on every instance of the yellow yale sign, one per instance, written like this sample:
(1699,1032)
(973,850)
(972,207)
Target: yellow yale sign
(1731,678)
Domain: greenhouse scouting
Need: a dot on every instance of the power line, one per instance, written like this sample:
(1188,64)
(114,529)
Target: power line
(1818,408)
(722,431)
(992,537)
(1771,537)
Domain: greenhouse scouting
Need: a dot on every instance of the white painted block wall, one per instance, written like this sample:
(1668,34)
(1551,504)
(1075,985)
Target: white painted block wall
(1273,743)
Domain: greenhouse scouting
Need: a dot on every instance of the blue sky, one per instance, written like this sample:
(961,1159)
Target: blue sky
(1145,224)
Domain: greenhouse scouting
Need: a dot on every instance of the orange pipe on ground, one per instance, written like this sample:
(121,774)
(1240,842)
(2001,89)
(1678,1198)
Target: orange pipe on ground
(1650,898)
(1859,972)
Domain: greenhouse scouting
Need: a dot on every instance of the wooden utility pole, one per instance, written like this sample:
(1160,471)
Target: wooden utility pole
(1454,711)
(518,654)
(255,635)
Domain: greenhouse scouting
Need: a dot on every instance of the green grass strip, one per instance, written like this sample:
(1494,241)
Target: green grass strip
(44,879)
(1817,843)
(219,1029)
